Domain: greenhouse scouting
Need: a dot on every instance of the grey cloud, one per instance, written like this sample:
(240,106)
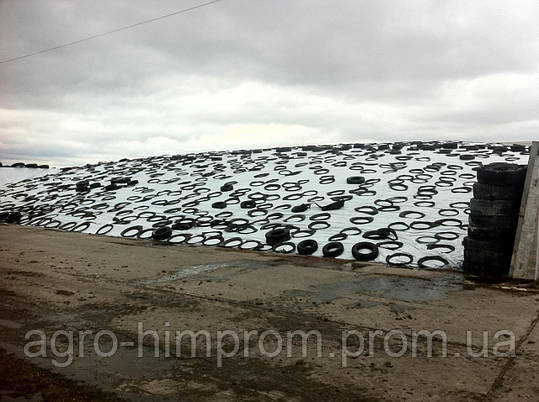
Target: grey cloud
(354,70)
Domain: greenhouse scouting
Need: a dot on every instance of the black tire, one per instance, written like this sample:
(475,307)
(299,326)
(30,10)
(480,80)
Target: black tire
(229,243)
(301,208)
(389,244)
(333,249)
(184,225)
(488,258)
(355,180)
(333,206)
(501,173)
(358,255)
(81,227)
(338,237)
(219,205)
(494,208)
(493,192)
(249,204)
(518,147)
(307,247)
(389,259)
(494,222)
(491,233)
(284,248)
(277,236)
(381,234)
(362,220)
(120,180)
(423,260)
(14,217)
(449,145)
(485,272)
(367,209)
(54,224)
(103,230)
(162,233)
(435,246)
(183,236)
(252,245)
(136,228)
(235,225)
(477,246)
(424,225)
(82,184)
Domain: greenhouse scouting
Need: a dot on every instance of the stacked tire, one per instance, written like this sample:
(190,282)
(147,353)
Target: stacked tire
(493,220)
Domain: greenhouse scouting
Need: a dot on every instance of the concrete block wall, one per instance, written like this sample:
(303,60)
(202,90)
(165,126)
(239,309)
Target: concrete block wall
(525,260)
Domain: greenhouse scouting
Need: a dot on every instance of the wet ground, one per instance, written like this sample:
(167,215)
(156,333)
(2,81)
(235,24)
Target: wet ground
(57,281)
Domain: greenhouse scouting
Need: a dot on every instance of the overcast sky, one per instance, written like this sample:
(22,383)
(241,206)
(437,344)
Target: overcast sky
(259,73)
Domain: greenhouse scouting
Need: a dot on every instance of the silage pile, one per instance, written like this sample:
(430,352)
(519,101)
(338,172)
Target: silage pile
(405,201)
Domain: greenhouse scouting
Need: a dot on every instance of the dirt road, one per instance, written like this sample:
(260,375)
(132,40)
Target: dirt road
(59,284)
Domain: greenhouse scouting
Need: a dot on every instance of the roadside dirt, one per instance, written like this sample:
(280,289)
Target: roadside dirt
(21,379)
(56,281)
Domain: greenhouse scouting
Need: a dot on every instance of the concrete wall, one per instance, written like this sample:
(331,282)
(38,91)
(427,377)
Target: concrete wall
(524,263)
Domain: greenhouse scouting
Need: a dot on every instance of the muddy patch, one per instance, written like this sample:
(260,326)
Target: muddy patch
(200,272)
(255,378)
(20,380)
(390,287)
(410,289)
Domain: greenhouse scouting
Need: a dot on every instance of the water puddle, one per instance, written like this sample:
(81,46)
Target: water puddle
(389,287)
